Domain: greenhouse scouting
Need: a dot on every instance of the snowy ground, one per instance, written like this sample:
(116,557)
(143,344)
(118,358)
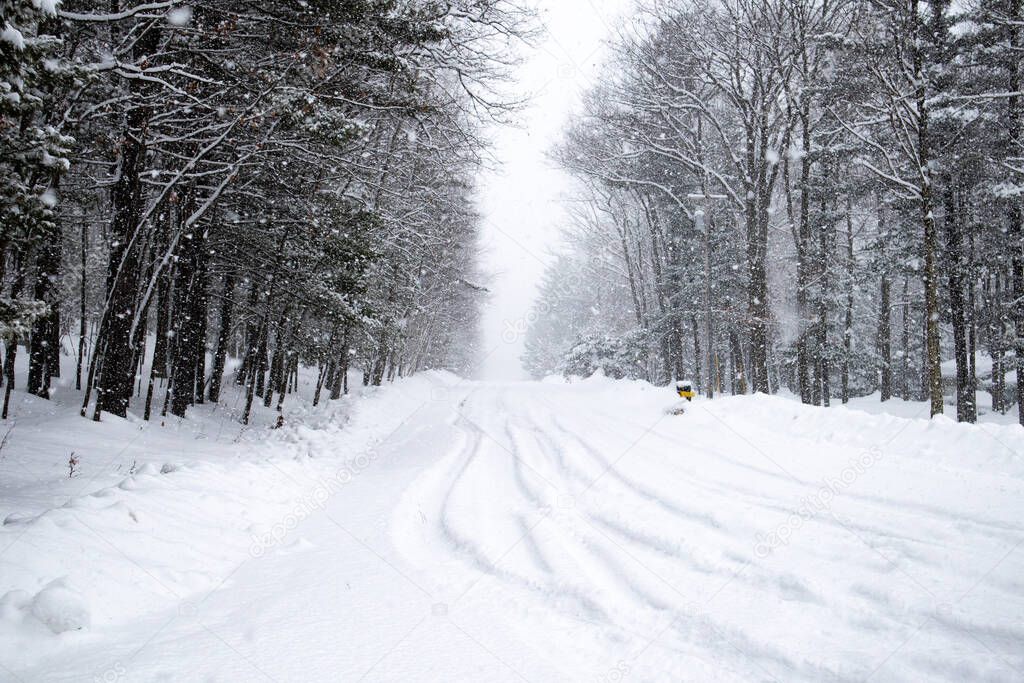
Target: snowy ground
(442,530)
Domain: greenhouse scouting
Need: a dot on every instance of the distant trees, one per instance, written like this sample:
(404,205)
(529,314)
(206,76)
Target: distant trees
(283,183)
(866,153)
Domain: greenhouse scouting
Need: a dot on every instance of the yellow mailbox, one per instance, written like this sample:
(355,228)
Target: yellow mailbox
(685,390)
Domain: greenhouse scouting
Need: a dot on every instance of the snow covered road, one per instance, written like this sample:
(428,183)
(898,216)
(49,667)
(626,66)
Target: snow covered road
(553,532)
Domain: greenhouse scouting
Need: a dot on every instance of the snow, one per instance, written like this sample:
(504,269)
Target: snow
(48,7)
(442,529)
(179,16)
(983,366)
(60,607)
(12,36)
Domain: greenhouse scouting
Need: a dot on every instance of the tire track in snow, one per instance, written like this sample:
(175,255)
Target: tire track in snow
(641,538)
(906,548)
(463,544)
(1000,530)
(787,584)
(796,587)
(571,545)
(916,554)
(593,563)
(575,549)
(705,519)
(709,632)
(578,544)
(455,540)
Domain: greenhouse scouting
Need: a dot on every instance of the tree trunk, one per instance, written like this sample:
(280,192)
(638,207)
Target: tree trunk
(41,353)
(665,327)
(251,336)
(11,348)
(885,339)
(82,327)
(200,305)
(758,312)
(697,358)
(803,267)
(848,321)
(139,345)
(260,363)
(730,369)
(933,358)
(339,385)
(824,353)
(223,337)
(966,411)
(163,305)
(905,374)
(1015,233)
(276,365)
(114,384)
(634,290)
(256,375)
(380,360)
(972,316)
(10,355)
(321,379)
(740,375)
(189,316)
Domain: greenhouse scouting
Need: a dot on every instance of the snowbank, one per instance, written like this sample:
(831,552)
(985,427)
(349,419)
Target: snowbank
(753,538)
(540,530)
(142,531)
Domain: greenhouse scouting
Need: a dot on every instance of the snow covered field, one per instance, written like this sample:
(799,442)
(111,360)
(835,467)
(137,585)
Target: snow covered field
(443,530)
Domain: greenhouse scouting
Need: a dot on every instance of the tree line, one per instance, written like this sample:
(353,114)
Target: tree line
(818,195)
(187,183)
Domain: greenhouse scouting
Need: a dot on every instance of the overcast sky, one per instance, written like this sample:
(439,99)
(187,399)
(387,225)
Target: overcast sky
(520,203)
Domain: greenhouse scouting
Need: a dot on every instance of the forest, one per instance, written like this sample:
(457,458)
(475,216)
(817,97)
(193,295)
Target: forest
(279,183)
(273,277)
(817,196)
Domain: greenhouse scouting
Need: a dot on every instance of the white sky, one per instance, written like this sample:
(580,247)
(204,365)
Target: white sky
(520,203)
